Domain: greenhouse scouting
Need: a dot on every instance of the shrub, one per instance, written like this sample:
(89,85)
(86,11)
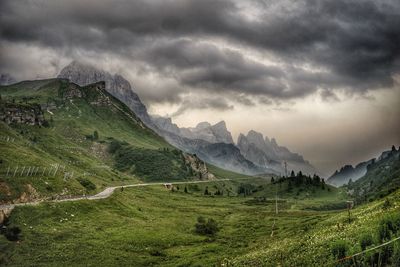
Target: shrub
(339,249)
(114,146)
(11,233)
(387,226)
(95,135)
(365,241)
(206,227)
(87,184)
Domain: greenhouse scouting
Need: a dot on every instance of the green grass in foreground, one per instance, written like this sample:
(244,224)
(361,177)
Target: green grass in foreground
(153,226)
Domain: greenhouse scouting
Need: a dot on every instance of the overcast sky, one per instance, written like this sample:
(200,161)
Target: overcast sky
(322,77)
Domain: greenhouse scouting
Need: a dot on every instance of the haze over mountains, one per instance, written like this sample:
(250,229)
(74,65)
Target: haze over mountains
(348,172)
(213,143)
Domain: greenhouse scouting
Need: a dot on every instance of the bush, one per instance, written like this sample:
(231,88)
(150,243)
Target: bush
(387,226)
(10,232)
(339,249)
(114,146)
(209,227)
(87,184)
(149,164)
(365,241)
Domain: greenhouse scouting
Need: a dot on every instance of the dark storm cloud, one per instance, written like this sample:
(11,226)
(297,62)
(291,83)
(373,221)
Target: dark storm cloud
(349,45)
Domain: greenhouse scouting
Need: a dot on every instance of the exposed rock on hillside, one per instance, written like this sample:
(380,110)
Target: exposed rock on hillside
(30,114)
(198,166)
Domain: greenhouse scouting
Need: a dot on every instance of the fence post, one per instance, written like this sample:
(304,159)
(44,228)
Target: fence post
(22,172)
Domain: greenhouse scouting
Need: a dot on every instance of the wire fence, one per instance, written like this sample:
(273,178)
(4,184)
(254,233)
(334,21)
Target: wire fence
(353,257)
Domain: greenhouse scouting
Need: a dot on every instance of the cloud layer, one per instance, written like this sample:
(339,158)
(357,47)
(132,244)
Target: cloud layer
(297,48)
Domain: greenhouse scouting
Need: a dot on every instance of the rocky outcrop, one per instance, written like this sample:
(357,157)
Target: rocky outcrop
(116,85)
(29,114)
(198,166)
(4,213)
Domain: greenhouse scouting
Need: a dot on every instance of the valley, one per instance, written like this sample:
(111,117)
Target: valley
(84,181)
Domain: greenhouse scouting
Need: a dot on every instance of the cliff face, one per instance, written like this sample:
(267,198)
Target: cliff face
(29,114)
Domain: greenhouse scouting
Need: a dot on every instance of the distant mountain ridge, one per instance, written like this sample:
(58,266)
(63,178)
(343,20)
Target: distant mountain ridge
(217,133)
(381,178)
(213,143)
(348,172)
(7,79)
(188,139)
(268,154)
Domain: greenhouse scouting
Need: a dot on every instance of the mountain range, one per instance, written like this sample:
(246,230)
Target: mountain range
(6,79)
(253,154)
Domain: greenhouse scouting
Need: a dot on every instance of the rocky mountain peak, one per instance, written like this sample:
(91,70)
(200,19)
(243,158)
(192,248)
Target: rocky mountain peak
(203,125)
(221,133)
(256,138)
(84,74)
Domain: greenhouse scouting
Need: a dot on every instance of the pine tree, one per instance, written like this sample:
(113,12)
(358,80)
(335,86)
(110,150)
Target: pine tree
(95,135)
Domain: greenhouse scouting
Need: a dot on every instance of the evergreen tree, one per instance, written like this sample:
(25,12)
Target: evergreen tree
(95,135)
(292,174)
(393,148)
(272,180)
(186,189)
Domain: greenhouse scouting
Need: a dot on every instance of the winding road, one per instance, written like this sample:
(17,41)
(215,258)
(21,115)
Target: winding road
(105,193)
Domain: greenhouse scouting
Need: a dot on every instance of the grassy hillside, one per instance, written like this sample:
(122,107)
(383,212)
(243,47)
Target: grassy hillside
(381,179)
(154,226)
(68,155)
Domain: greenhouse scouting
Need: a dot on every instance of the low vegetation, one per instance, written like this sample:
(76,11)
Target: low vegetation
(149,164)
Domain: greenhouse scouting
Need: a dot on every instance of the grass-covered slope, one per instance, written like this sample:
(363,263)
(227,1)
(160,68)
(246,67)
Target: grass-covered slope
(67,152)
(155,226)
(381,179)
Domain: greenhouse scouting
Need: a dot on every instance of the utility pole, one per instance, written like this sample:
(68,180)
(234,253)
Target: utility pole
(276,201)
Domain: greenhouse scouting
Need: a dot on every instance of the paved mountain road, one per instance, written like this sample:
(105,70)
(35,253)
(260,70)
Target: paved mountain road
(107,192)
